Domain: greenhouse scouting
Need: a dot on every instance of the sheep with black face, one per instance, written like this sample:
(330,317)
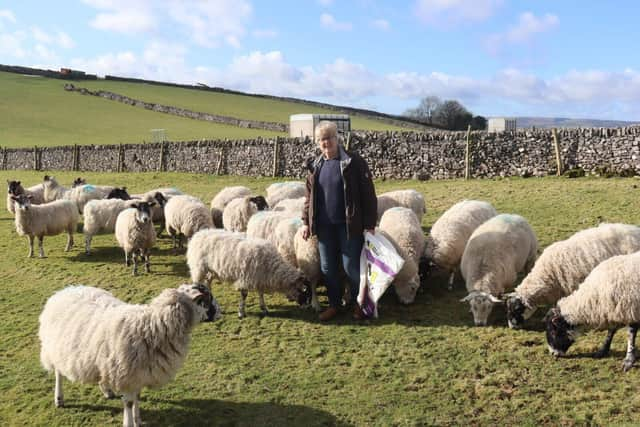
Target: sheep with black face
(135,234)
(14,188)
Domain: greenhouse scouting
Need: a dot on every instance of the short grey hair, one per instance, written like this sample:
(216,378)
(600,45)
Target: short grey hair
(326,128)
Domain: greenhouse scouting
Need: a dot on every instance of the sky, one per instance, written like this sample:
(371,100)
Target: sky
(565,58)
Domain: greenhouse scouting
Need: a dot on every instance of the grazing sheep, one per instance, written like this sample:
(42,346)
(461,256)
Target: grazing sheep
(411,199)
(15,189)
(450,233)
(308,261)
(496,252)
(48,219)
(161,196)
(292,206)
(222,199)
(263,224)
(135,234)
(249,263)
(185,216)
(78,182)
(285,190)
(237,213)
(402,228)
(87,335)
(80,195)
(609,298)
(565,264)
(101,215)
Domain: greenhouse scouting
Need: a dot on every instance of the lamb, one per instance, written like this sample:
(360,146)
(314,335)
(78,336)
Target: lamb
(609,298)
(48,219)
(185,216)
(222,199)
(135,234)
(565,264)
(161,196)
(285,190)
(15,189)
(496,252)
(292,206)
(251,264)
(411,199)
(80,195)
(87,335)
(101,215)
(450,233)
(238,211)
(402,228)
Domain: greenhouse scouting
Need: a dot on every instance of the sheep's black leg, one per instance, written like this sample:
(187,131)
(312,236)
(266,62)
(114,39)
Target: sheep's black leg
(243,297)
(630,358)
(606,345)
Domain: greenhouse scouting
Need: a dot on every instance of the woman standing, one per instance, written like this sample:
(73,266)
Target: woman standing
(340,205)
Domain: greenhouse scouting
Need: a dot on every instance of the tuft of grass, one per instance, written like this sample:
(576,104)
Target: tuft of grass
(423,364)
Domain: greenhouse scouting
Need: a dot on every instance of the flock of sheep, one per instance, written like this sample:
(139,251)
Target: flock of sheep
(256,243)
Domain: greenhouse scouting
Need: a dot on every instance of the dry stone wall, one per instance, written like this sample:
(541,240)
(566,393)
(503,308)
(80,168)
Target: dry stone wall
(399,155)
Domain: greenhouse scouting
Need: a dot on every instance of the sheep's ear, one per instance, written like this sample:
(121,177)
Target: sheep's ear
(151,204)
(124,188)
(29,196)
(495,300)
(47,178)
(467,298)
(14,198)
(134,205)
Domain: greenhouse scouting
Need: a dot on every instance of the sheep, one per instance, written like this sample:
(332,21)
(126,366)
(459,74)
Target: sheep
(78,182)
(285,190)
(222,199)
(48,219)
(402,228)
(101,215)
(161,196)
(238,211)
(263,224)
(80,195)
(496,252)
(15,189)
(411,199)
(308,261)
(135,234)
(251,264)
(292,206)
(609,298)
(565,264)
(185,216)
(87,335)
(450,233)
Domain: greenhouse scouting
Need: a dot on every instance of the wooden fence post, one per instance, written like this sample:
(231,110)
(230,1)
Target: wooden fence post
(35,158)
(161,162)
(220,161)
(4,158)
(556,145)
(348,141)
(467,166)
(276,156)
(120,158)
(74,166)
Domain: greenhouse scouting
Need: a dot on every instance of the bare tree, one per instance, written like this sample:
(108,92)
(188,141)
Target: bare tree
(426,109)
(452,115)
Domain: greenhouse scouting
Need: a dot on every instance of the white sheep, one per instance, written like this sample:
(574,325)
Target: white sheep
(80,195)
(609,298)
(101,216)
(135,234)
(285,190)
(238,211)
(308,261)
(402,228)
(48,219)
(87,335)
(249,263)
(263,224)
(160,196)
(496,252)
(185,216)
(222,199)
(292,206)
(411,199)
(14,188)
(565,264)
(449,234)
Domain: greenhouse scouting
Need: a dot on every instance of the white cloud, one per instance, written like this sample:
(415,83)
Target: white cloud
(64,40)
(127,22)
(527,27)
(329,22)
(11,44)
(448,12)
(381,24)
(7,15)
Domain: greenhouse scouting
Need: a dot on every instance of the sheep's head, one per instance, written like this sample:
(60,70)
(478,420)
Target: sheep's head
(22,201)
(518,311)
(78,182)
(14,187)
(207,305)
(425,265)
(406,293)
(160,199)
(143,211)
(260,202)
(49,181)
(481,305)
(300,291)
(119,193)
(560,334)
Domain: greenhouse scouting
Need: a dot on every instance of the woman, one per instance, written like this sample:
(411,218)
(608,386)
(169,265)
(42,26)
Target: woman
(340,205)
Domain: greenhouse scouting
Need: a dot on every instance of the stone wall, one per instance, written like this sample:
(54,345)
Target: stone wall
(399,155)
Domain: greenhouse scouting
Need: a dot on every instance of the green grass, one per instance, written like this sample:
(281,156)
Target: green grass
(422,364)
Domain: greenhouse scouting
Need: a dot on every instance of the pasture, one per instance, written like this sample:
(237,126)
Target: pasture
(423,364)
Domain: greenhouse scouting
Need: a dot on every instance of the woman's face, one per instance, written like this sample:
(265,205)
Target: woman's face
(328,144)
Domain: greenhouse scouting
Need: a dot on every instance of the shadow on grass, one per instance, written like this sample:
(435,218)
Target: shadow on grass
(100,254)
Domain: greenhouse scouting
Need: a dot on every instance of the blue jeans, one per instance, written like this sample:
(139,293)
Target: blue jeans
(334,245)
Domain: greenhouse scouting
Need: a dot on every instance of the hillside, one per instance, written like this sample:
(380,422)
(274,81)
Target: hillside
(560,122)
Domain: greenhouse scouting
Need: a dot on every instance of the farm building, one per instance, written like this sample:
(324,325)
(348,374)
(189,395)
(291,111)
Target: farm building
(303,125)
(501,124)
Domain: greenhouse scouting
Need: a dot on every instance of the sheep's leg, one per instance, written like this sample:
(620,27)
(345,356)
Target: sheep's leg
(137,421)
(58,395)
(147,260)
(243,297)
(30,246)
(127,260)
(87,244)
(173,238)
(69,240)
(41,246)
(180,243)
(606,345)
(263,305)
(314,299)
(106,391)
(134,255)
(452,277)
(128,399)
(630,358)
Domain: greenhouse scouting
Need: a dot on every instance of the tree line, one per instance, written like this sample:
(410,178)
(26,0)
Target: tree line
(449,114)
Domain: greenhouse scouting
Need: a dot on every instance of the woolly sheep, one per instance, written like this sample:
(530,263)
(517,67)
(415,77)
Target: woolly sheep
(185,216)
(87,335)
(237,213)
(251,264)
(292,206)
(263,224)
(450,233)
(135,234)
(565,264)
(80,195)
(609,298)
(308,261)
(48,219)
(411,199)
(222,199)
(101,215)
(496,252)
(285,190)
(161,196)
(402,228)
(14,188)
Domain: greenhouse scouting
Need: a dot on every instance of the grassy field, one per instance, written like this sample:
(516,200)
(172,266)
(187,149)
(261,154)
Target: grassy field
(422,364)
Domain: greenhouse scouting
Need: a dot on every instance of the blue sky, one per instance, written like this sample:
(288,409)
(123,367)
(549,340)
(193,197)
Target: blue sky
(498,57)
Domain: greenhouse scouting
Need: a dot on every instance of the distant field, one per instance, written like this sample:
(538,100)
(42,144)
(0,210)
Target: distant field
(422,364)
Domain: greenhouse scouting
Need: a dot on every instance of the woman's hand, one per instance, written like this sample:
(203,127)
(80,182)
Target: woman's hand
(305,232)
